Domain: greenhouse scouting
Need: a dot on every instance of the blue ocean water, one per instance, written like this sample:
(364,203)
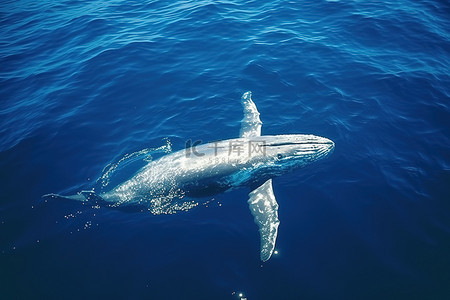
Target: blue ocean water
(84,83)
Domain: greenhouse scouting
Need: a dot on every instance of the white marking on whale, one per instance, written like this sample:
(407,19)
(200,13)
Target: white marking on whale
(251,161)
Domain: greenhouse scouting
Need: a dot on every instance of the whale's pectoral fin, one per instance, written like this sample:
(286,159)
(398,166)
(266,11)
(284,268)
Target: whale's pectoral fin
(250,124)
(264,208)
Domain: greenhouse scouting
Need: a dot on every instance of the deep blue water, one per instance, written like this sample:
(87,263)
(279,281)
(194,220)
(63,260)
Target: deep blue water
(84,83)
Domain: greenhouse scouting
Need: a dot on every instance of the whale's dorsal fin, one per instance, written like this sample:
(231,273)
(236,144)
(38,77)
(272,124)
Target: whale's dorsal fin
(264,208)
(251,124)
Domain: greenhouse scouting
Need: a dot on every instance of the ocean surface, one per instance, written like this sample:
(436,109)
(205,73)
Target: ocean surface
(84,84)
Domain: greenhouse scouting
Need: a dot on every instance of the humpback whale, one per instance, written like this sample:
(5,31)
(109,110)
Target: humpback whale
(251,160)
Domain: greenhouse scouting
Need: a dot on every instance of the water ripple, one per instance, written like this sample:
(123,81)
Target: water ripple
(83,84)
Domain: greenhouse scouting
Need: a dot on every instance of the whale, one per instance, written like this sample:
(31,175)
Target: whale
(249,161)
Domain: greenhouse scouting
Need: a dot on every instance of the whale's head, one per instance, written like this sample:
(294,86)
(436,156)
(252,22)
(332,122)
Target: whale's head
(283,153)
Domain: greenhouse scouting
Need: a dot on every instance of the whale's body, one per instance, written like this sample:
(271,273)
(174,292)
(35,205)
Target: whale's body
(251,161)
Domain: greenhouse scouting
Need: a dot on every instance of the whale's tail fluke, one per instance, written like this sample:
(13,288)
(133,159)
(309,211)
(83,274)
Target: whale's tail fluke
(77,197)
(83,196)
